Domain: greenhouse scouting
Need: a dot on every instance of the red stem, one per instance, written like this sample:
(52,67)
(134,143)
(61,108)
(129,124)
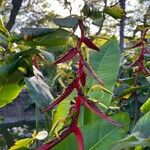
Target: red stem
(79,137)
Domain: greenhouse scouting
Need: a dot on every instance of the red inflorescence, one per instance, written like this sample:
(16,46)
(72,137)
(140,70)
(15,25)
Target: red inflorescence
(78,84)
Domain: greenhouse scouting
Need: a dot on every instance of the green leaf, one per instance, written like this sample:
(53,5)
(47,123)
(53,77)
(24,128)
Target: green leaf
(3,30)
(100,135)
(140,135)
(146,106)
(86,10)
(143,126)
(39,91)
(47,56)
(91,11)
(69,22)
(36,31)
(53,40)
(130,90)
(106,64)
(23,144)
(115,11)
(8,93)
(8,69)
(63,109)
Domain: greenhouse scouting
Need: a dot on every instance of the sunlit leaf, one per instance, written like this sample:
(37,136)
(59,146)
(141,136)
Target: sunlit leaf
(23,144)
(115,11)
(9,92)
(146,106)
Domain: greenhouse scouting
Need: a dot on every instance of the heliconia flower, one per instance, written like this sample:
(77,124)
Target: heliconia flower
(67,92)
(92,73)
(67,56)
(89,43)
(92,106)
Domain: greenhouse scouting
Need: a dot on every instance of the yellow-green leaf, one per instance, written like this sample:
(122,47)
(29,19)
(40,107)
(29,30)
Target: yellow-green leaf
(146,106)
(115,11)
(24,144)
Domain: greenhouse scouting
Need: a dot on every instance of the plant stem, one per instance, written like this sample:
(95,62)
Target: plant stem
(37,116)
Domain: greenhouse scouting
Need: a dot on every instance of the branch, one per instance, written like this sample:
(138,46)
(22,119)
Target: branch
(14,12)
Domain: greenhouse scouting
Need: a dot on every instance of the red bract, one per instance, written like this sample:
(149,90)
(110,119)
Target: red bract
(89,43)
(92,106)
(67,92)
(67,56)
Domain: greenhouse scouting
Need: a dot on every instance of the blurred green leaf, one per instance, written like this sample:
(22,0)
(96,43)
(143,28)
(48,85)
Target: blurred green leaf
(69,22)
(7,69)
(49,57)
(13,89)
(146,106)
(23,144)
(130,90)
(115,11)
(36,31)
(53,40)
(140,135)
(86,10)
(3,29)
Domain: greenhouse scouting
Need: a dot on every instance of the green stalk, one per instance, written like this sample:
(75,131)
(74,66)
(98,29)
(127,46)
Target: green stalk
(37,119)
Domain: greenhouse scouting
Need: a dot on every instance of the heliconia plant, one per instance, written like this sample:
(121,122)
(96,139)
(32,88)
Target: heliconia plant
(139,62)
(77,84)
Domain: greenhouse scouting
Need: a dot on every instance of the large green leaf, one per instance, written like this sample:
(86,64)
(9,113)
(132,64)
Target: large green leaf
(54,40)
(140,135)
(39,91)
(106,64)
(99,135)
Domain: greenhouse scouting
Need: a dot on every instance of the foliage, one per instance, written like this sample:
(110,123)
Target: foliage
(91,85)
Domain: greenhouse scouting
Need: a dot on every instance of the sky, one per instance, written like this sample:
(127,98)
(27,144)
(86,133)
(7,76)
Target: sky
(78,4)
